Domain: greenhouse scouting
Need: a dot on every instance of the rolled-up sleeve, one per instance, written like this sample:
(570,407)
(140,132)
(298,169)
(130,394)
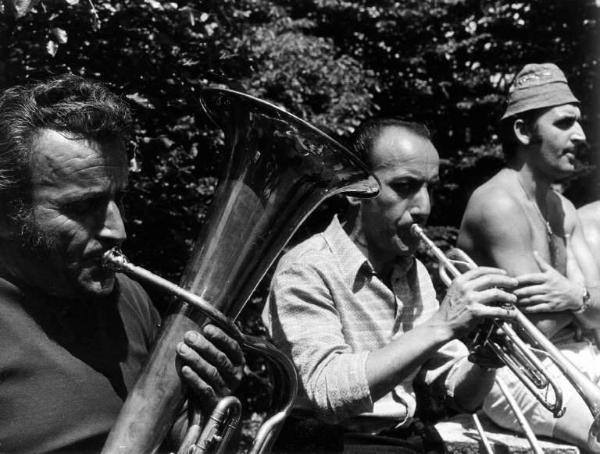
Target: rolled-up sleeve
(304,322)
(445,370)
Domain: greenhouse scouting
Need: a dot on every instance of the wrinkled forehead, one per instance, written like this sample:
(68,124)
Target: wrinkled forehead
(564,110)
(400,148)
(59,155)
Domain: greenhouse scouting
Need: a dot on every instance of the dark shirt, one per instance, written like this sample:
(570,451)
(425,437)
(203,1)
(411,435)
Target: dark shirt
(66,367)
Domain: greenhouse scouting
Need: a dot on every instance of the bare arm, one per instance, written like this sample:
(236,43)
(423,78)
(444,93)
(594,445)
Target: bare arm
(547,291)
(495,232)
(585,269)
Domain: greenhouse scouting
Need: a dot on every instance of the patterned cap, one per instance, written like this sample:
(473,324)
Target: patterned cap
(537,86)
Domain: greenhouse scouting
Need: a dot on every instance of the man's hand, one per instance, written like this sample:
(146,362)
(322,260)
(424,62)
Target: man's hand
(474,295)
(548,290)
(211,364)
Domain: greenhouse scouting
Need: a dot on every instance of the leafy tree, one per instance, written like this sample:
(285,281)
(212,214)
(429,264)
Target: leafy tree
(159,55)
(447,63)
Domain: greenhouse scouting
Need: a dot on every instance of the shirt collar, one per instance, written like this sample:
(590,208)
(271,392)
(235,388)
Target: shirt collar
(352,260)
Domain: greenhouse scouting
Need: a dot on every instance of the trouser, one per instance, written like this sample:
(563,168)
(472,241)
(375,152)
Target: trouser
(584,355)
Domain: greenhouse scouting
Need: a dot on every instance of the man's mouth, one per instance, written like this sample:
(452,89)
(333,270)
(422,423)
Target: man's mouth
(101,273)
(96,263)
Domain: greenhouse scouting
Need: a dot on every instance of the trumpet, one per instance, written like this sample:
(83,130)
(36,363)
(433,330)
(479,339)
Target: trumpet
(516,353)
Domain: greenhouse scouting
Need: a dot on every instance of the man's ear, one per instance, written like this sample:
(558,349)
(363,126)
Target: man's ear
(522,131)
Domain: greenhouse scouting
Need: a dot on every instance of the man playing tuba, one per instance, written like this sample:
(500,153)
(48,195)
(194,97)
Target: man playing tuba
(74,335)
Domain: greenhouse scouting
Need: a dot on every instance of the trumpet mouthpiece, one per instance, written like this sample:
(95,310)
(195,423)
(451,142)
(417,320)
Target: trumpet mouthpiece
(416,230)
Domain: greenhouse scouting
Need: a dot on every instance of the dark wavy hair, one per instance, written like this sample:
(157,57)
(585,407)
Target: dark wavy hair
(368,131)
(80,107)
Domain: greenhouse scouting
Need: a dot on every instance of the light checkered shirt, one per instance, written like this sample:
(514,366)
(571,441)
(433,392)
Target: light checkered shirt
(327,310)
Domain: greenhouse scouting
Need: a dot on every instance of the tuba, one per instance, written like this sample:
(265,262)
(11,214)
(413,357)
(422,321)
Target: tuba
(279,169)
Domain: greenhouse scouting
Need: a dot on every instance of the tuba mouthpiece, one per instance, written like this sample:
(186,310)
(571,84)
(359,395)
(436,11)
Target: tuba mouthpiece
(114,260)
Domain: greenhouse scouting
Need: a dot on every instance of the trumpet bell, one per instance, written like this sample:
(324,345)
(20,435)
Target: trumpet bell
(279,169)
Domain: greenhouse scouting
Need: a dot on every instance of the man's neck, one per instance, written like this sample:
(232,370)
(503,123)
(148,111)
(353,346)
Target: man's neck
(534,184)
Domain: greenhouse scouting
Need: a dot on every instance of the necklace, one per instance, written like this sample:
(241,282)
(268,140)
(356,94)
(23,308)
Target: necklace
(549,231)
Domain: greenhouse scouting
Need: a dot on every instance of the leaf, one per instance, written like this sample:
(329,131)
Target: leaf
(72,2)
(154,4)
(60,35)
(51,48)
(140,100)
(19,8)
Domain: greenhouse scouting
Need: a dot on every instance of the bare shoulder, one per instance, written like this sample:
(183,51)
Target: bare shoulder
(494,221)
(590,221)
(590,214)
(493,202)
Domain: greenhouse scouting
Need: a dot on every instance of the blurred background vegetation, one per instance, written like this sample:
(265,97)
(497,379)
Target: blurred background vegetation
(446,63)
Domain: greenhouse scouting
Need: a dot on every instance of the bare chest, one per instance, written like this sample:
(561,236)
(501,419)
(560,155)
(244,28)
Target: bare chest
(549,236)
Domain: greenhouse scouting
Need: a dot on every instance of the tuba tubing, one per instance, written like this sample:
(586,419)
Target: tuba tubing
(209,440)
(589,392)
(218,430)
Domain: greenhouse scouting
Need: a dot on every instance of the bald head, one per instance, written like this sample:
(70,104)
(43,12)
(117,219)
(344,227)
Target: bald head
(371,131)
(398,143)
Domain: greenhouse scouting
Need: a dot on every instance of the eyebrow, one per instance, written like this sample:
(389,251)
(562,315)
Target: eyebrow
(567,116)
(416,178)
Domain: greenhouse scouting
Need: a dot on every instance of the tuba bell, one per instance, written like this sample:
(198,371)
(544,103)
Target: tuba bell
(280,168)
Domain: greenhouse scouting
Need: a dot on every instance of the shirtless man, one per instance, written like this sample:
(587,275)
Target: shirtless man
(516,221)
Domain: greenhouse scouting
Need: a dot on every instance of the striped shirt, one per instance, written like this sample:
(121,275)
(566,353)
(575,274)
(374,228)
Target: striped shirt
(327,310)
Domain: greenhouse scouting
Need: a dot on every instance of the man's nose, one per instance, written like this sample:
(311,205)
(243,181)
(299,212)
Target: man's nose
(420,205)
(113,228)
(578,135)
